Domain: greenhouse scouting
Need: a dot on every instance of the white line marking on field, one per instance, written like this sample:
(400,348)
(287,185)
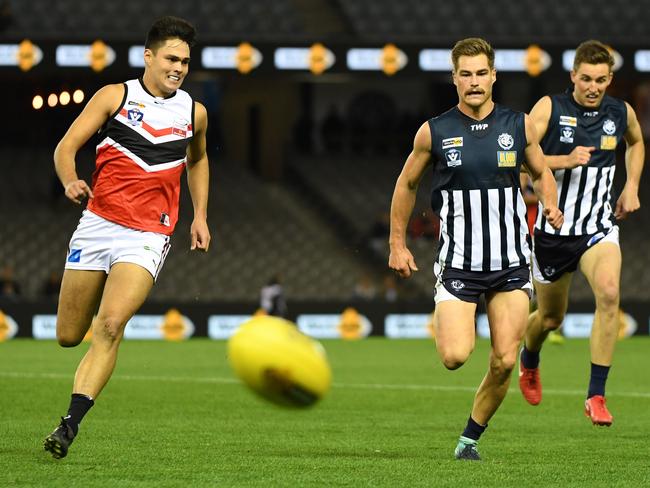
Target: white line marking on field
(355,386)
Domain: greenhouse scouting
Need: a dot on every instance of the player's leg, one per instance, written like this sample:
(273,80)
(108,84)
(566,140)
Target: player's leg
(455,333)
(79,297)
(552,304)
(507,312)
(126,288)
(601,265)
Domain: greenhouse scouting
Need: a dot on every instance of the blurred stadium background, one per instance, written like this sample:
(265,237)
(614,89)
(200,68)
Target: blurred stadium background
(313,106)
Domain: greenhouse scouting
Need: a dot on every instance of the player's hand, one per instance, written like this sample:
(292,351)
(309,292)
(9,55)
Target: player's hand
(628,202)
(554,216)
(200,235)
(77,190)
(580,156)
(401,261)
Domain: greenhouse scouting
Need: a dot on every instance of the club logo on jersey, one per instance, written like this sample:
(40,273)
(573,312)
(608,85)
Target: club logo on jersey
(137,104)
(608,143)
(74,256)
(452,142)
(566,135)
(164,220)
(457,285)
(567,120)
(135,117)
(453,158)
(478,127)
(506,141)
(507,159)
(609,127)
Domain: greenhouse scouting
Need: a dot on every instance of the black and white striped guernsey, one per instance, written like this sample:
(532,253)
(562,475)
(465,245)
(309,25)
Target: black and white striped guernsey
(584,192)
(476,190)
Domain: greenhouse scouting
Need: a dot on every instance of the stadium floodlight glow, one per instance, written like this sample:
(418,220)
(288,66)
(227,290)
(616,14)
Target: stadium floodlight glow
(532,60)
(136,56)
(642,60)
(96,55)
(244,58)
(25,55)
(435,60)
(569,55)
(37,102)
(52,100)
(316,58)
(78,96)
(64,98)
(390,59)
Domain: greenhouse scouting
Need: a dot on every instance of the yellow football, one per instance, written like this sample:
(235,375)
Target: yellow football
(279,362)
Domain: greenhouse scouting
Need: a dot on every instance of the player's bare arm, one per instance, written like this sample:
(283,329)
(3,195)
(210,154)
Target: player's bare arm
(634,158)
(543,180)
(580,156)
(98,110)
(400,259)
(198,178)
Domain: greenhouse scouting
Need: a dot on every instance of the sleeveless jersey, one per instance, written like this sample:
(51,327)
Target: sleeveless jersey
(476,190)
(140,159)
(584,192)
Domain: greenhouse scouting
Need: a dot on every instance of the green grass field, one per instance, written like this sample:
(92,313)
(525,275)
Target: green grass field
(173,415)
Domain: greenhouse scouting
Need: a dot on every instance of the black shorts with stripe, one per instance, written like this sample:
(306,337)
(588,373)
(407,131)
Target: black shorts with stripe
(468,286)
(556,255)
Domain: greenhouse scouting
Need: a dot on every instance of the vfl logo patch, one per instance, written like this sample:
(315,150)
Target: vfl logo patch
(507,159)
(452,142)
(453,158)
(135,117)
(570,121)
(609,127)
(608,143)
(164,220)
(506,141)
(566,135)
(74,256)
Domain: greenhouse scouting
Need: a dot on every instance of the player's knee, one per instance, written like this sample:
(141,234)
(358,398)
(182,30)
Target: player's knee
(109,329)
(607,295)
(502,366)
(552,321)
(67,339)
(453,359)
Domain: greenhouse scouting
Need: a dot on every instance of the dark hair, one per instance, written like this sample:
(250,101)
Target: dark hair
(592,52)
(170,27)
(472,46)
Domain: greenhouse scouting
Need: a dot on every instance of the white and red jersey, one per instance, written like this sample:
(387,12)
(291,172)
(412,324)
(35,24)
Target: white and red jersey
(140,157)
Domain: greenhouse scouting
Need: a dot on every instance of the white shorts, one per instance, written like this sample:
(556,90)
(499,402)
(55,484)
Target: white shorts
(97,244)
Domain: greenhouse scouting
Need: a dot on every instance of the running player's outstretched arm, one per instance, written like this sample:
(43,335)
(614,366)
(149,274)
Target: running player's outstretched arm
(541,115)
(198,179)
(99,108)
(543,180)
(400,259)
(634,157)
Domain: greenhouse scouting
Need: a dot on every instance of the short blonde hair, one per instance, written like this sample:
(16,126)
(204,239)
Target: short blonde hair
(472,46)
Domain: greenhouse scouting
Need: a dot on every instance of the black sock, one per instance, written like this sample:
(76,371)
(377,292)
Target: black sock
(597,380)
(79,406)
(473,430)
(529,359)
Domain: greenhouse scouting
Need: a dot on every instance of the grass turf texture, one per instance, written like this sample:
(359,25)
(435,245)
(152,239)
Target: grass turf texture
(173,415)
